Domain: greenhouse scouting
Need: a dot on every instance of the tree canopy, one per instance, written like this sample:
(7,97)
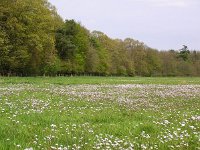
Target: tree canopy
(34,40)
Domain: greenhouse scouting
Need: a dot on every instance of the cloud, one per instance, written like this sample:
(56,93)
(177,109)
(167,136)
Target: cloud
(167,3)
(163,24)
(175,3)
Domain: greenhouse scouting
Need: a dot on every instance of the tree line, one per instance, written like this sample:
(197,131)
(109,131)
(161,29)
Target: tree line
(34,40)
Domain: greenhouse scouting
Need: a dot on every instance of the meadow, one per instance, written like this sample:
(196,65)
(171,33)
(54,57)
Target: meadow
(106,113)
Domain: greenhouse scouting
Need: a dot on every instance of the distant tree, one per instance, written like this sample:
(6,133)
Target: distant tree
(153,62)
(184,53)
(168,63)
(99,40)
(138,52)
(72,44)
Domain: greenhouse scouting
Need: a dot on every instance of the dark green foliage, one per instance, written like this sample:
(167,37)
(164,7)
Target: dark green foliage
(64,40)
(27,28)
(184,53)
(72,44)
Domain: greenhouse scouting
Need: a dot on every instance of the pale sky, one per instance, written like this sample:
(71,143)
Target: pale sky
(161,24)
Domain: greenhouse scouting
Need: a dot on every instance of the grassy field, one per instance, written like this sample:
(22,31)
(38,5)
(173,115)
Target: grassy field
(101,80)
(99,113)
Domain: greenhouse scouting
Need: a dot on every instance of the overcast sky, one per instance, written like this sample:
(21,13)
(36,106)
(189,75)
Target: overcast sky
(161,24)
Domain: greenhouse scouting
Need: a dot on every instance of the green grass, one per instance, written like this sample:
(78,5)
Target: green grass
(101,80)
(98,113)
